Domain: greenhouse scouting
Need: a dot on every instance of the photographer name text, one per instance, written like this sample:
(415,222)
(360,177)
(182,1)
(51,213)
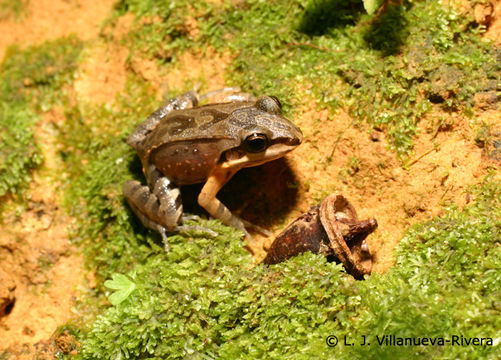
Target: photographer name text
(393,340)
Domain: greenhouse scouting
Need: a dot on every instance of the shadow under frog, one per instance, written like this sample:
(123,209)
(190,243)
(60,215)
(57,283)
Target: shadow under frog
(261,194)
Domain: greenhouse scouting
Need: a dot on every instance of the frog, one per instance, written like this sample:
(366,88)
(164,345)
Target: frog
(184,142)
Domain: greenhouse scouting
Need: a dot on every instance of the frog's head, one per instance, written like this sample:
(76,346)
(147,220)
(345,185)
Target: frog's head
(264,133)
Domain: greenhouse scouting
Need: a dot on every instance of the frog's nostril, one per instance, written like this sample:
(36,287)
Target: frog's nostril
(295,141)
(299,137)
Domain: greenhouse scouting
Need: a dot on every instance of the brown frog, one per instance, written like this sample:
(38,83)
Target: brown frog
(183,143)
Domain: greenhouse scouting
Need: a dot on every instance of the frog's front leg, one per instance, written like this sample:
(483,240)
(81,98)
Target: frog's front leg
(207,199)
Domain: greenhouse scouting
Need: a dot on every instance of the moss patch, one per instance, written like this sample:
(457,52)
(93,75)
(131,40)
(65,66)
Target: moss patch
(40,74)
(202,299)
(31,81)
(18,153)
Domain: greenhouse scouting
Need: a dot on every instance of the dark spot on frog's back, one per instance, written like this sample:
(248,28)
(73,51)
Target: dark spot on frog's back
(214,115)
(172,127)
(179,123)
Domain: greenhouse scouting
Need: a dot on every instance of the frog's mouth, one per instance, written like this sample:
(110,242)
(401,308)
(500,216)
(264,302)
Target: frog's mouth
(239,158)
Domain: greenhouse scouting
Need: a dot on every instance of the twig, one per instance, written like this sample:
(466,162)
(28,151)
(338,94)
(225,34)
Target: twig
(338,139)
(420,157)
(446,191)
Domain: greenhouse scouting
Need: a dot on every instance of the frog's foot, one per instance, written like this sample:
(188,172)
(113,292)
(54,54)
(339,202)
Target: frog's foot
(204,229)
(186,228)
(182,228)
(256,228)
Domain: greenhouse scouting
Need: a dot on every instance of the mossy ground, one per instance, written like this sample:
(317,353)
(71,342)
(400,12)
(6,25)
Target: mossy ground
(201,300)
(413,68)
(32,82)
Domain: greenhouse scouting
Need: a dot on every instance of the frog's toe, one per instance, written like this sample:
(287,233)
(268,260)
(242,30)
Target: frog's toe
(189,217)
(162,232)
(255,228)
(185,228)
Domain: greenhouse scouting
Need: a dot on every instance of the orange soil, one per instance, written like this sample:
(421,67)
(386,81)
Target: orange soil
(52,19)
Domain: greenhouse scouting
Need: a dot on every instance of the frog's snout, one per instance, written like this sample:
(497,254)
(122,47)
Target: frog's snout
(292,138)
(297,139)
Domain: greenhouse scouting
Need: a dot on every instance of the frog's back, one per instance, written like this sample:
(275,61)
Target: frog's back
(186,144)
(192,124)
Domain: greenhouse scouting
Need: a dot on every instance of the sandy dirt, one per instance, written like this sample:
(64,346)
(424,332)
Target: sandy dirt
(337,155)
(491,14)
(36,255)
(52,19)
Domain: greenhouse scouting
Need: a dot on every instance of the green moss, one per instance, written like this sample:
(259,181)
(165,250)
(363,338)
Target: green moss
(202,300)
(31,81)
(209,299)
(18,152)
(40,74)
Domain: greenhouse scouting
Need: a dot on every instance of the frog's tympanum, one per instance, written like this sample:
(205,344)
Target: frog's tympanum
(183,143)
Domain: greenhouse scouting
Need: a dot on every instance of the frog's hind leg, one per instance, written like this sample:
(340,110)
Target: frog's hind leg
(170,199)
(187,100)
(156,210)
(158,205)
(227,94)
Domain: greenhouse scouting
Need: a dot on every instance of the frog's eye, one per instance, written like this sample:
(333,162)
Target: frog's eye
(256,143)
(270,104)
